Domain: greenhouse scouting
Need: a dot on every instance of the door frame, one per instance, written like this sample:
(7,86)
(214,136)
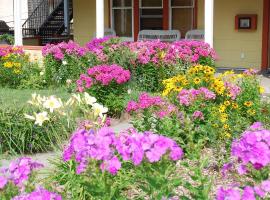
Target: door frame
(265,35)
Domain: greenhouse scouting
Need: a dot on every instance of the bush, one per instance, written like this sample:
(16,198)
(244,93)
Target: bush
(142,160)
(111,50)
(108,83)
(156,61)
(65,61)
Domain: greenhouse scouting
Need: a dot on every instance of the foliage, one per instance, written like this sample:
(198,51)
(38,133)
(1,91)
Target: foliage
(8,38)
(45,123)
(108,169)
(156,61)
(65,62)
(108,83)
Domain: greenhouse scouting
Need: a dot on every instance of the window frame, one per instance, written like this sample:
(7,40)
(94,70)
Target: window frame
(123,8)
(193,7)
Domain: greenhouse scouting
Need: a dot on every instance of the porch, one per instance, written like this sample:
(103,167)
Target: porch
(236,48)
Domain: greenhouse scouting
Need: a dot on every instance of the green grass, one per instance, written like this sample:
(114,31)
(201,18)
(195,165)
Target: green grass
(19,97)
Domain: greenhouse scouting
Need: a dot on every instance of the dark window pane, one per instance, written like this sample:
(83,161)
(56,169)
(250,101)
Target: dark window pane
(182,20)
(182,2)
(123,22)
(151,24)
(151,12)
(151,3)
(122,3)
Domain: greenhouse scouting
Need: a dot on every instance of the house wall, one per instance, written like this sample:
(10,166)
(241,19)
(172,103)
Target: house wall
(84,19)
(235,48)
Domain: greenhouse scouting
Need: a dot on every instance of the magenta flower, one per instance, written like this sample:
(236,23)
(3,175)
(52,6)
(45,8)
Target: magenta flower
(198,115)
(3,182)
(228,194)
(107,148)
(58,51)
(104,75)
(40,193)
(253,147)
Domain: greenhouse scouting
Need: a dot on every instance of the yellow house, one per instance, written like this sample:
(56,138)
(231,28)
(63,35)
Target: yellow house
(236,46)
(237,29)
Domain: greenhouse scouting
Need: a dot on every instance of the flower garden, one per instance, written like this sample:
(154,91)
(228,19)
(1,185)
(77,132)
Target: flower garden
(196,133)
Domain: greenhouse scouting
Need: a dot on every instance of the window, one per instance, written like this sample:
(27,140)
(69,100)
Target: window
(182,15)
(122,18)
(151,17)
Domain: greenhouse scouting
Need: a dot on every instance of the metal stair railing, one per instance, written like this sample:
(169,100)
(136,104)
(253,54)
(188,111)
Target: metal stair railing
(39,16)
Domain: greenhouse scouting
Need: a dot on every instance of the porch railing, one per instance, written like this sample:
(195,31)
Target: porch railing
(39,16)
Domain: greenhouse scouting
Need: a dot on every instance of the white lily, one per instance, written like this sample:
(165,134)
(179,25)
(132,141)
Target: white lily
(29,117)
(77,97)
(52,103)
(99,109)
(41,118)
(89,99)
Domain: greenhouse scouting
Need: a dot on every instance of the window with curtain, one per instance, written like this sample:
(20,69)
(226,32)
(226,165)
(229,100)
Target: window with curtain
(122,13)
(151,14)
(182,14)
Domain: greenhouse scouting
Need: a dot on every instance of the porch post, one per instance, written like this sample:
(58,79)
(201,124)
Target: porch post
(99,18)
(66,17)
(209,21)
(17,22)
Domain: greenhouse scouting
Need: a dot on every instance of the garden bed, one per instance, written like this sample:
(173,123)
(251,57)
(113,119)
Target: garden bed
(139,120)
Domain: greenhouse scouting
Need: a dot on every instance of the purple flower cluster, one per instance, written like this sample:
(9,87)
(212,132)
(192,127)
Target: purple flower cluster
(248,193)
(59,50)
(105,146)
(187,97)
(103,74)
(198,115)
(4,51)
(169,53)
(18,172)
(252,148)
(146,101)
(96,47)
(234,90)
(40,193)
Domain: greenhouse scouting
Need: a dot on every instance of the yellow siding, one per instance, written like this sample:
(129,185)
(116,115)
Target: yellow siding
(84,20)
(229,43)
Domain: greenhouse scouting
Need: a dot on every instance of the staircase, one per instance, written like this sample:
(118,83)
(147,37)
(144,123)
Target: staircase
(47,22)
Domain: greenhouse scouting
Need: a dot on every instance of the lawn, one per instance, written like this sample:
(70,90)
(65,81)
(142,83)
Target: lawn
(16,97)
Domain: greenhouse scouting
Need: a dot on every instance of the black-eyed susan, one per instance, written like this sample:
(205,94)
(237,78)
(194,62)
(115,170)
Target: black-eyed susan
(235,106)
(248,103)
(226,126)
(227,135)
(227,103)
(251,112)
(197,80)
(222,108)
(224,117)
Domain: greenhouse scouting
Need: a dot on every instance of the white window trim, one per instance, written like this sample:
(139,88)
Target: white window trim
(125,8)
(183,7)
